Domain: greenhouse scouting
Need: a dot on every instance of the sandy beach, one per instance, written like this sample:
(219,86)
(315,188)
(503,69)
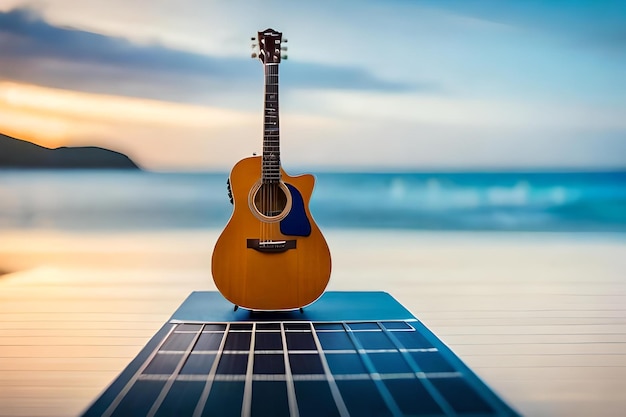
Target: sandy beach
(540,317)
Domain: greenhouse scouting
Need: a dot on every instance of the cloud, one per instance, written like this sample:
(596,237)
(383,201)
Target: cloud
(36,38)
(33,50)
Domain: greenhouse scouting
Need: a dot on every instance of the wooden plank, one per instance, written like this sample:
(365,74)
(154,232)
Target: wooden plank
(542,321)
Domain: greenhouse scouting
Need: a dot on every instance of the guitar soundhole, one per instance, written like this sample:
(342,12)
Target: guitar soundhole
(271,201)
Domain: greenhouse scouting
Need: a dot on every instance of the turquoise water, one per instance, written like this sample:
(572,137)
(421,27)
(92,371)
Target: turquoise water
(117,200)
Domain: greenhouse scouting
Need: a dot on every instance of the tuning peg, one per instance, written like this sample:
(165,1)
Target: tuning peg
(254,45)
(253,38)
(283,48)
(285,40)
(284,57)
(253,55)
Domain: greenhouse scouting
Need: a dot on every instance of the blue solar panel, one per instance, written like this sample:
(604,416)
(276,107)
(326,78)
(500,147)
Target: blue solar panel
(298,368)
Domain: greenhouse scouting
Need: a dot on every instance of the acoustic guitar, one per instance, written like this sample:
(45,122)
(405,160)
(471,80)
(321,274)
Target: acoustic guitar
(271,254)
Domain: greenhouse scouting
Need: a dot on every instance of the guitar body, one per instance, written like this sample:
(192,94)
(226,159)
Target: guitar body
(270,260)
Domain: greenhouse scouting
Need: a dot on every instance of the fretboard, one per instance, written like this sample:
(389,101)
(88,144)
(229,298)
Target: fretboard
(271,136)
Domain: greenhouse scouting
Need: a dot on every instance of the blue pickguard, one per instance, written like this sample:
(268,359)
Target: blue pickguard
(296,223)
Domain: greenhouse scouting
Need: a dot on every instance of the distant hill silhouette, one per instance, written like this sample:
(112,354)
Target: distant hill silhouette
(16,153)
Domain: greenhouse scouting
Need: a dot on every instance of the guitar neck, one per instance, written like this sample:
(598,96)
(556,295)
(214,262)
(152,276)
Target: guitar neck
(271,127)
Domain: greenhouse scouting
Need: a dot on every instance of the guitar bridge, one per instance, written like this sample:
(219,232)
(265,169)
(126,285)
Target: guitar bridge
(271,246)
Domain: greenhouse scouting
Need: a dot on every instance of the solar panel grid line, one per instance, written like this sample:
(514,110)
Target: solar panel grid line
(246,406)
(194,378)
(189,327)
(120,396)
(211,326)
(433,375)
(399,375)
(334,389)
(411,350)
(153,377)
(369,366)
(269,377)
(172,377)
(309,377)
(366,351)
(230,378)
(371,353)
(197,412)
(351,377)
(467,375)
(291,390)
(430,388)
(362,330)
(304,377)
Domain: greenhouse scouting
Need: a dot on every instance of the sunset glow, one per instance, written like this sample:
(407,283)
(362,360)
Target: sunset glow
(97,107)
(55,117)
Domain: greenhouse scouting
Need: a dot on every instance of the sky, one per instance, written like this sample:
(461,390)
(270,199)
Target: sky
(369,84)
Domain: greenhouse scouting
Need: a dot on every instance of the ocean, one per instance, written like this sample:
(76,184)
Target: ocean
(497,201)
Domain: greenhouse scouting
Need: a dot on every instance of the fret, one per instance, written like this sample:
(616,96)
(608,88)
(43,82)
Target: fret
(270,164)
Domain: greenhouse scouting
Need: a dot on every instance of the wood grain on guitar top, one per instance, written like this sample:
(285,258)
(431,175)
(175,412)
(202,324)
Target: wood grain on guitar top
(287,271)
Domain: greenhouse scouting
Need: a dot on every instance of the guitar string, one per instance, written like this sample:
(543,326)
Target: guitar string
(270,193)
(268,152)
(276,162)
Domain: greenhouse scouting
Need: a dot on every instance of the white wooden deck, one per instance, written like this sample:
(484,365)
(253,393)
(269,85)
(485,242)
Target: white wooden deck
(542,319)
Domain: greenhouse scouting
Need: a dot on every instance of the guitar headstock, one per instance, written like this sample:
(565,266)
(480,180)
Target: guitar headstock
(269,47)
